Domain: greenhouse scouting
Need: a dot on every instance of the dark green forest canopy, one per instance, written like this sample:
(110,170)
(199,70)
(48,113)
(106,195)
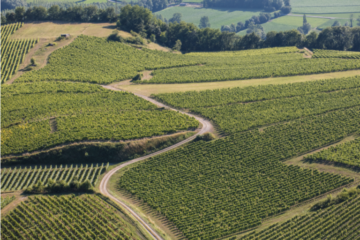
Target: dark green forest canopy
(213,189)
(45,114)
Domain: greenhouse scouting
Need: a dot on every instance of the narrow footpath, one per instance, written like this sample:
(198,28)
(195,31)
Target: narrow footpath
(206,127)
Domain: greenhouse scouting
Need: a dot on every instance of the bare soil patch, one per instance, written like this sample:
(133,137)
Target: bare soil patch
(147,75)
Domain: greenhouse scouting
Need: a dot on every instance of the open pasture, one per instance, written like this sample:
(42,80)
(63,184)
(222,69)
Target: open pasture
(217,16)
(325,7)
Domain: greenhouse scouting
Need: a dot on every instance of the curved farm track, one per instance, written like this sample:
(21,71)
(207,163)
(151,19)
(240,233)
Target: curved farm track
(206,127)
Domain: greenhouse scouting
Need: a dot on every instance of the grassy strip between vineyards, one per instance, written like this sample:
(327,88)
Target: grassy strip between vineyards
(96,60)
(225,186)
(45,114)
(248,64)
(340,222)
(240,109)
(66,217)
(12,51)
(347,154)
(20,178)
(6,201)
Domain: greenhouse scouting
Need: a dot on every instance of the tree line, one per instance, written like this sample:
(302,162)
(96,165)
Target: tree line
(267,5)
(187,35)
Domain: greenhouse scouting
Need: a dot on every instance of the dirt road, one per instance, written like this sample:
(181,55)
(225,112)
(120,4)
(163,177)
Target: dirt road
(206,127)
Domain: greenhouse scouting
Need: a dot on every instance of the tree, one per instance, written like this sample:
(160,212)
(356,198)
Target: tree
(225,28)
(336,24)
(286,9)
(232,28)
(177,45)
(204,22)
(10,17)
(358,21)
(240,26)
(153,38)
(176,18)
(20,14)
(304,19)
(3,18)
(351,20)
(54,12)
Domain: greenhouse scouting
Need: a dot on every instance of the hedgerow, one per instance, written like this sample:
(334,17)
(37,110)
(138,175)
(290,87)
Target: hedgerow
(96,60)
(60,113)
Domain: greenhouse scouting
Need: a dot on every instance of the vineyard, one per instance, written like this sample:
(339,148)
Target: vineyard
(212,189)
(265,63)
(338,222)
(218,97)
(66,217)
(6,200)
(236,110)
(45,114)
(346,153)
(96,60)
(20,178)
(12,51)
(320,53)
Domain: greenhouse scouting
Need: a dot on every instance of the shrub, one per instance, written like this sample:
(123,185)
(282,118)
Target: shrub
(205,137)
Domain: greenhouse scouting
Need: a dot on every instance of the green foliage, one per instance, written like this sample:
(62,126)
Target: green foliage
(339,221)
(66,217)
(237,181)
(46,114)
(218,97)
(95,152)
(345,195)
(12,51)
(347,154)
(6,200)
(96,60)
(260,63)
(205,137)
(320,53)
(54,178)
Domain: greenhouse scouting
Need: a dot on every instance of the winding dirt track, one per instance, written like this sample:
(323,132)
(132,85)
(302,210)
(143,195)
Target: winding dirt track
(206,127)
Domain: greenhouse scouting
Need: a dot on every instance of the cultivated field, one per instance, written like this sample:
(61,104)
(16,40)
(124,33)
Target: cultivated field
(43,115)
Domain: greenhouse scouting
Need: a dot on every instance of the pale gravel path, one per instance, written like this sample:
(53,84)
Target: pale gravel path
(206,127)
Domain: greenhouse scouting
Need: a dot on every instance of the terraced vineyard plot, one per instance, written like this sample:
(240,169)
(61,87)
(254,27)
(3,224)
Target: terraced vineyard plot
(66,217)
(320,53)
(241,117)
(81,112)
(338,222)
(234,110)
(224,66)
(218,97)
(12,51)
(92,59)
(212,189)
(346,153)
(19,178)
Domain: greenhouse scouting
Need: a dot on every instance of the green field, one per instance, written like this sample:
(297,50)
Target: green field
(66,217)
(247,64)
(212,189)
(96,60)
(13,179)
(217,17)
(43,115)
(346,153)
(336,222)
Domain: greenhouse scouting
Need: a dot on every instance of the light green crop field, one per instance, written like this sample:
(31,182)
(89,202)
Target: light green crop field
(217,17)
(325,6)
(298,21)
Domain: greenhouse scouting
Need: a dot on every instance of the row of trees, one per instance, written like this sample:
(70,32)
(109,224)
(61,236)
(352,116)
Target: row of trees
(251,23)
(193,38)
